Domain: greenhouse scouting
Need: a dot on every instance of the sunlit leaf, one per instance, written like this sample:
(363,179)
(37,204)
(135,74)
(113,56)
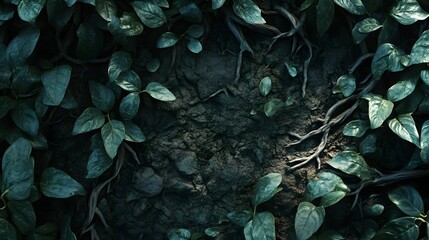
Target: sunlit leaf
(352,6)
(346,84)
(216,4)
(379,109)
(356,128)
(167,39)
(351,163)
(150,14)
(265,86)
(194,45)
(408,12)
(308,220)
(272,106)
(266,188)
(159,92)
(28,10)
(248,11)
(405,127)
(420,50)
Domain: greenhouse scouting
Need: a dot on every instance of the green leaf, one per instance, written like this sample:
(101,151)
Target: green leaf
(133,133)
(66,232)
(424,142)
(120,62)
(408,12)
(263,226)
(408,200)
(159,92)
(179,234)
(55,82)
(213,231)
(332,198)
(216,4)
(308,220)
(374,210)
(240,217)
(153,65)
(59,13)
(90,41)
(28,10)
(363,28)
(22,214)
(325,183)
(102,97)
(167,39)
(291,69)
(98,163)
(369,229)
(352,6)
(265,86)
(70,2)
(390,31)
(106,8)
(305,5)
(150,14)
(161,3)
(272,106)
(420,51)
(6,104)
(351,163)
(356,128)
(22,46)
(7,231)
(266,188)
(25,80)
(195,31)
(112,133)
(129,106)
(378,108)
(405,127)
(58,184)
(17,170)
(194,45)
(346,84)
(424,75)
(387,57)
(129,81)
(191,12)
(367,145)
(90,119)
(47,231)
(403,228)
(325,15)
(26,119)
(402,89)
(248,231)
(6,13)
(248,11)
(128,25)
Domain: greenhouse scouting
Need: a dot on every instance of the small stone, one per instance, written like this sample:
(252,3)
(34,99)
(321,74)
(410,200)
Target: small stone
(148,182)
(185,161)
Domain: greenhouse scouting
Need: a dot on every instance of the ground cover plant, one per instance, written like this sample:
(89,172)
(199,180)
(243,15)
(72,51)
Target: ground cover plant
(87,74)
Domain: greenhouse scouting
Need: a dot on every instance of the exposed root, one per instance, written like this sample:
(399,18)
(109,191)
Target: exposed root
(223,90)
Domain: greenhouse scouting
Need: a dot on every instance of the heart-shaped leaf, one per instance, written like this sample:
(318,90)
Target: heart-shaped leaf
(112,133)
(346,84)
(387,57)
(405,127)
(420,52)
(133,133)
(356,128)
(308,220)
(325,15)
(266,188)
(408,200)
(58,184)
(351,163)
(248,11)
(379,109)
(403,88)
(408,12)
(150,14)
(90,119)
(129,106)
(98,163)
(55,82)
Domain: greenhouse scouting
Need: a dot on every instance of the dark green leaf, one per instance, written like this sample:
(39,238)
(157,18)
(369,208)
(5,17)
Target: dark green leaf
(18,170)
(106,8)
(179,234)
(6,104)
(55,82)
(266,188)
(28,10)
(129,106)
(6,12)
(159,92)
(308,220)
(66,232)
(367,145)
(363,28)
(401,228)
(128,25)
(129,81)
(70,2)
(263,226)
(379,109)
(167,39)
(47,231)
(248,11)
(213,231)
(113,133)
(408,200)
(240,217)
(58,184)
(325,15)
(153,65)
(291,69)
(408,12)
(369,229)
(216,4)
(248,231)
(120,62)
(26,119)
(387,57)
(325,183)
(98,163)
(25,80)
(420,50)
(90,119)
(102,97)
(133,133)
(424,75)
(356,128)
(265,86)
(195,31)
(69,101)
(346,84)
(332,198)
(161,3)
(352,6)
(90,41)
(424,142)
(390,31)
(22,46)
(59,13)
(351,163)
(194,45)
(272,106)
(306,4)
(22,214)
(191,12)
(150,14)
(410,103)
(7,231)
(405,127)
(374,210)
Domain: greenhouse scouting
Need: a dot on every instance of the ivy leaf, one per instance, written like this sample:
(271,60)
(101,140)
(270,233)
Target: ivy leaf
(26,119)
(379,109)
(194,45)
(119,62)
(167,39)
(332,198)
(106,8)
(98,163)
(405,127)
(133,133)
(22,214)
(153,65)
(90,41)
(191,12)
(58,184)
(28,10)
(408,12)
(240,217)
(325,15)
(403,88)
(55,82)
(216,4)
(263,226)
(128,25)
(401,228)
(356,128)
(150,14)
(265,86)
(387,57)
(408,200)
(325,183)
(352,6)
(195,31)
(159,92)
(363,28)
(102,97)
(420,52)
(308,220)
(17,170)
(346,84)
(351,163)
(90,119)
(7,230)
(112,133)
(272,106)
(266,188)
(129,81)
(22,46)
(374,210)
(129,106)
(248,11)
(424,142)
(367,145)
